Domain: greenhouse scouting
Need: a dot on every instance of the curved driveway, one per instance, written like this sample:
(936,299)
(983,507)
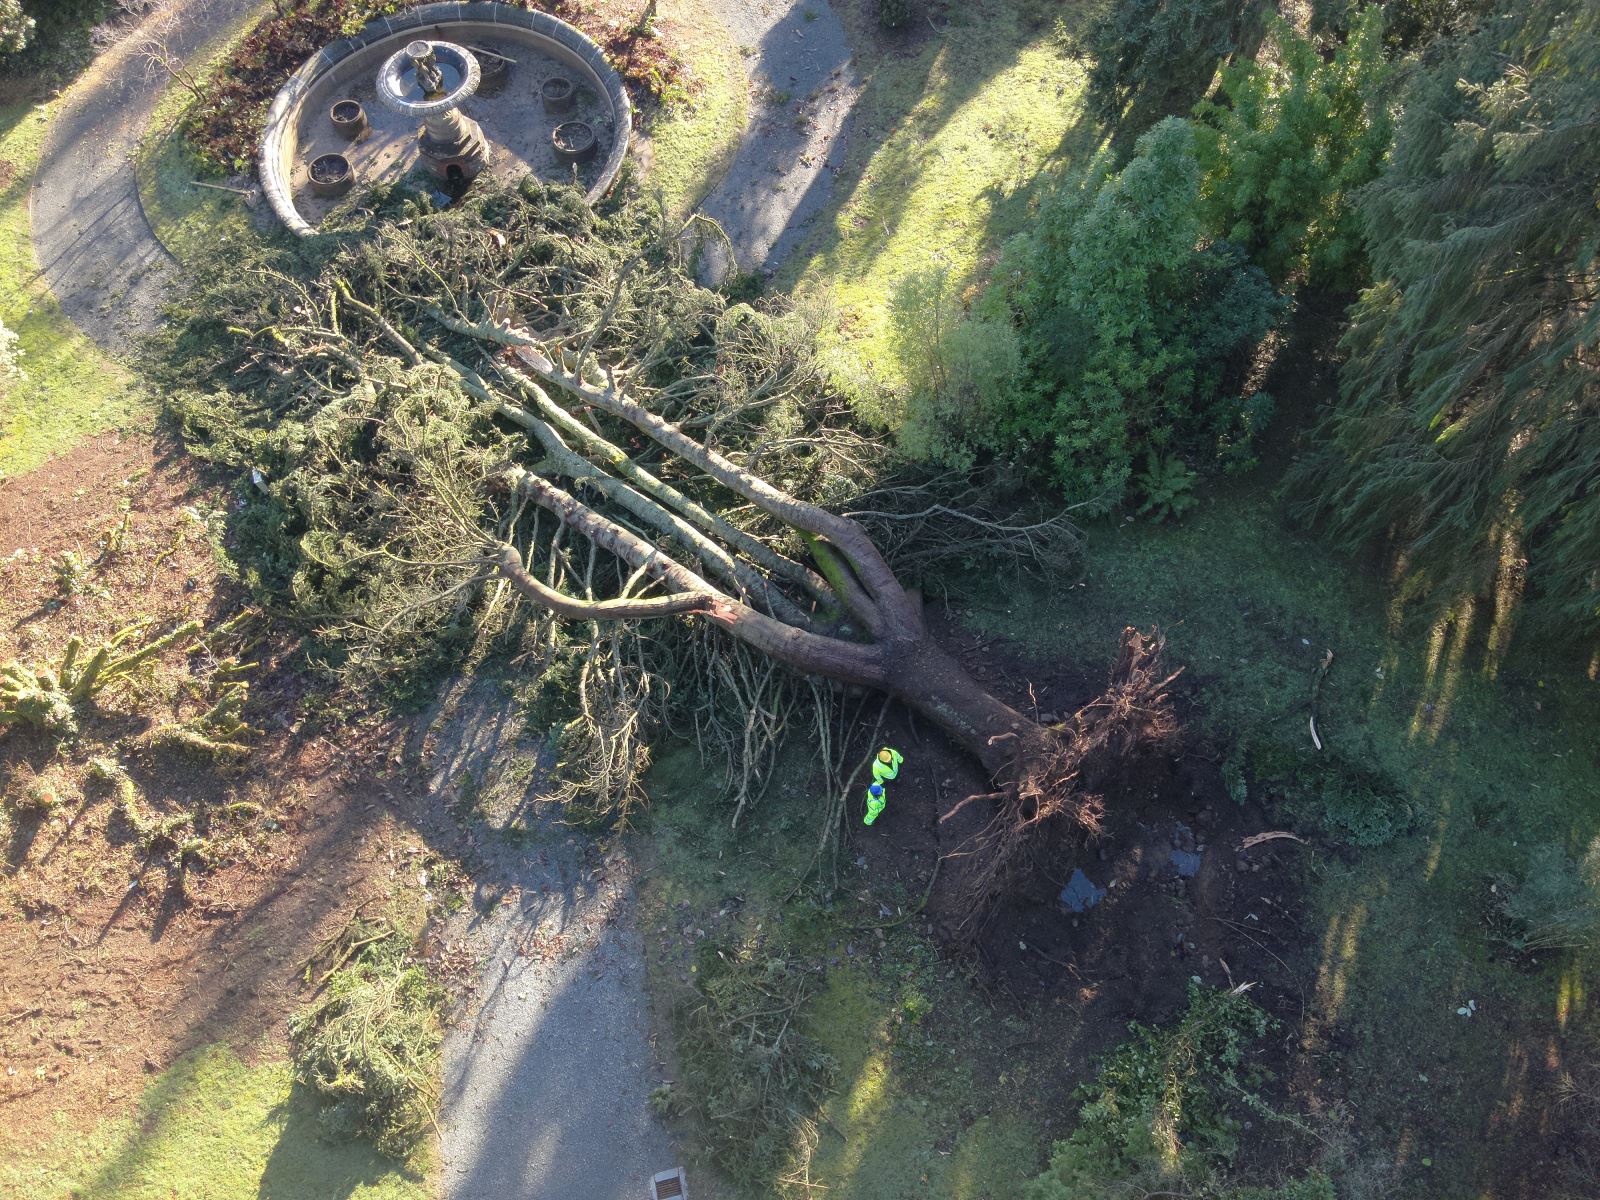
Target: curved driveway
(90,236)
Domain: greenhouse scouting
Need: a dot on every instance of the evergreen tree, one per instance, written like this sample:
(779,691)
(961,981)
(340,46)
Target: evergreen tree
(1286,145)
(16,26)
(1132,327)
(1156,50)
(1469,423)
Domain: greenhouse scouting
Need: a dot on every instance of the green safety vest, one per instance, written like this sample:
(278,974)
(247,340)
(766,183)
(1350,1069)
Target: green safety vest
(883,771)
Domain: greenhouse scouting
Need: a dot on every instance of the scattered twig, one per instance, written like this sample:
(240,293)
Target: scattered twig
(222,187)
(1316,687)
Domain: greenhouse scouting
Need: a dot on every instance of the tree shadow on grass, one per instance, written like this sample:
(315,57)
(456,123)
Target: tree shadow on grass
(894,156)
(311,1162)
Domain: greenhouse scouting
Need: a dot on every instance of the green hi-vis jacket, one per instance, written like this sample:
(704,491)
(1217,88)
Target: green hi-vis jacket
(884,771)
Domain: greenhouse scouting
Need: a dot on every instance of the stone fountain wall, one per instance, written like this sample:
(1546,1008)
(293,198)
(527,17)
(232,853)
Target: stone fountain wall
(320,80)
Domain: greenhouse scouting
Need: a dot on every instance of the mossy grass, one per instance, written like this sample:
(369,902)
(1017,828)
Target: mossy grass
(1482,760)
(190,221)
(945,144)
(695,134)
(211,1125)
(902,1029)
(69,389)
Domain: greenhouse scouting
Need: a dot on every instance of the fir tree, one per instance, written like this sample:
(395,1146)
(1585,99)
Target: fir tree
(1469,423)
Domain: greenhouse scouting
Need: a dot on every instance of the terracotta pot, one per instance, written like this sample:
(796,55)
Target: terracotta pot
(558,92)
(493,72)
(349,118)
(573,141)
(331,175)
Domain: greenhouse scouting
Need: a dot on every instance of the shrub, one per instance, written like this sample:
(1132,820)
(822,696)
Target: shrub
(959,373)
(1408,24)
(47,38)
(1161,49)
(369,1044)
(1134,332)
(750,1074)
(1556,903)
(1344,795)
(1168,487)
(1158,1108)
(16,27)
(1287,144)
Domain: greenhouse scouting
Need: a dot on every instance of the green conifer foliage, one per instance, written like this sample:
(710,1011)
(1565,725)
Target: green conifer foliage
(1134,330)
(1286,145)
(1153,50)
(1469,423)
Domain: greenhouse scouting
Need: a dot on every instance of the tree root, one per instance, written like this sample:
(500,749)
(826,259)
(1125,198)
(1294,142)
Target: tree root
(1057,789)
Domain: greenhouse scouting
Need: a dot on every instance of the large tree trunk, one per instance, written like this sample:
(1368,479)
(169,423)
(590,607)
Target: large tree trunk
(925,677)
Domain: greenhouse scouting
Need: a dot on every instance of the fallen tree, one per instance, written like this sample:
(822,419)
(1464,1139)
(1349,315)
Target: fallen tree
(489,399)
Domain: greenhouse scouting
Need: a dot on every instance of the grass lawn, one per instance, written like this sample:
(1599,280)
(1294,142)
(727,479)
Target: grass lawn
(913,1038)
(1487,759)
(189,221)
(70,389)
(693,141)
(943,146)
(210,1126)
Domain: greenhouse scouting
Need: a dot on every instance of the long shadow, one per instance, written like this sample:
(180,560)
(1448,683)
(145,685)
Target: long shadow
(547,1077)
(909,98)
(1419,983)
(332,1176)
(783,170)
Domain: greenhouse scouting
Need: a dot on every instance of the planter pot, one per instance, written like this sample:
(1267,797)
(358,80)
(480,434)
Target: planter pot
(348,118)
(331,175)
(573,142)
(493,72)
(558,93)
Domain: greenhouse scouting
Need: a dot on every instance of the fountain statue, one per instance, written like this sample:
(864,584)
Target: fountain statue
(430,80)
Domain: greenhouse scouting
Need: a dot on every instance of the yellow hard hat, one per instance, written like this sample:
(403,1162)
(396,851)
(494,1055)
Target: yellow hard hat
(884,755)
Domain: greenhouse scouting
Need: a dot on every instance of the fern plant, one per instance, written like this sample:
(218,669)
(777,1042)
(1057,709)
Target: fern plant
(1168,487)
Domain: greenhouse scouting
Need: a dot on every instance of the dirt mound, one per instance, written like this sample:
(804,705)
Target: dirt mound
(1174,894)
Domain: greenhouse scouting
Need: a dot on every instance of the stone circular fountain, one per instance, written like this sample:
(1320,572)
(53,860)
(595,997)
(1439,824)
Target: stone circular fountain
(429,81)
(430,112)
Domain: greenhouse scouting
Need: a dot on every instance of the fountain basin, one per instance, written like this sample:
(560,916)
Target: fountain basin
(298,127)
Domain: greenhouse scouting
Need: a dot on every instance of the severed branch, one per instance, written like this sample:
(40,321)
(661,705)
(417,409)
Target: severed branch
(880,602)
(509,564)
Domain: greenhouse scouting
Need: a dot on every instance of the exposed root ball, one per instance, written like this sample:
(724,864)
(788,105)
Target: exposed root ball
(1059,780)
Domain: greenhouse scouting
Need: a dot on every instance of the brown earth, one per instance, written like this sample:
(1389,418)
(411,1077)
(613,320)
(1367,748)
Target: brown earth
(115,963)
(1132,954)
(1081,978)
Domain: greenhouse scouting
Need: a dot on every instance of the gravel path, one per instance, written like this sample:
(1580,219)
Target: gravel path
(804,87)
(549,1065)
(90,235)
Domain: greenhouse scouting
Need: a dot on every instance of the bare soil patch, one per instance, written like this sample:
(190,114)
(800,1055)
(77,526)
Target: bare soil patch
(1230,916)
(115,964)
